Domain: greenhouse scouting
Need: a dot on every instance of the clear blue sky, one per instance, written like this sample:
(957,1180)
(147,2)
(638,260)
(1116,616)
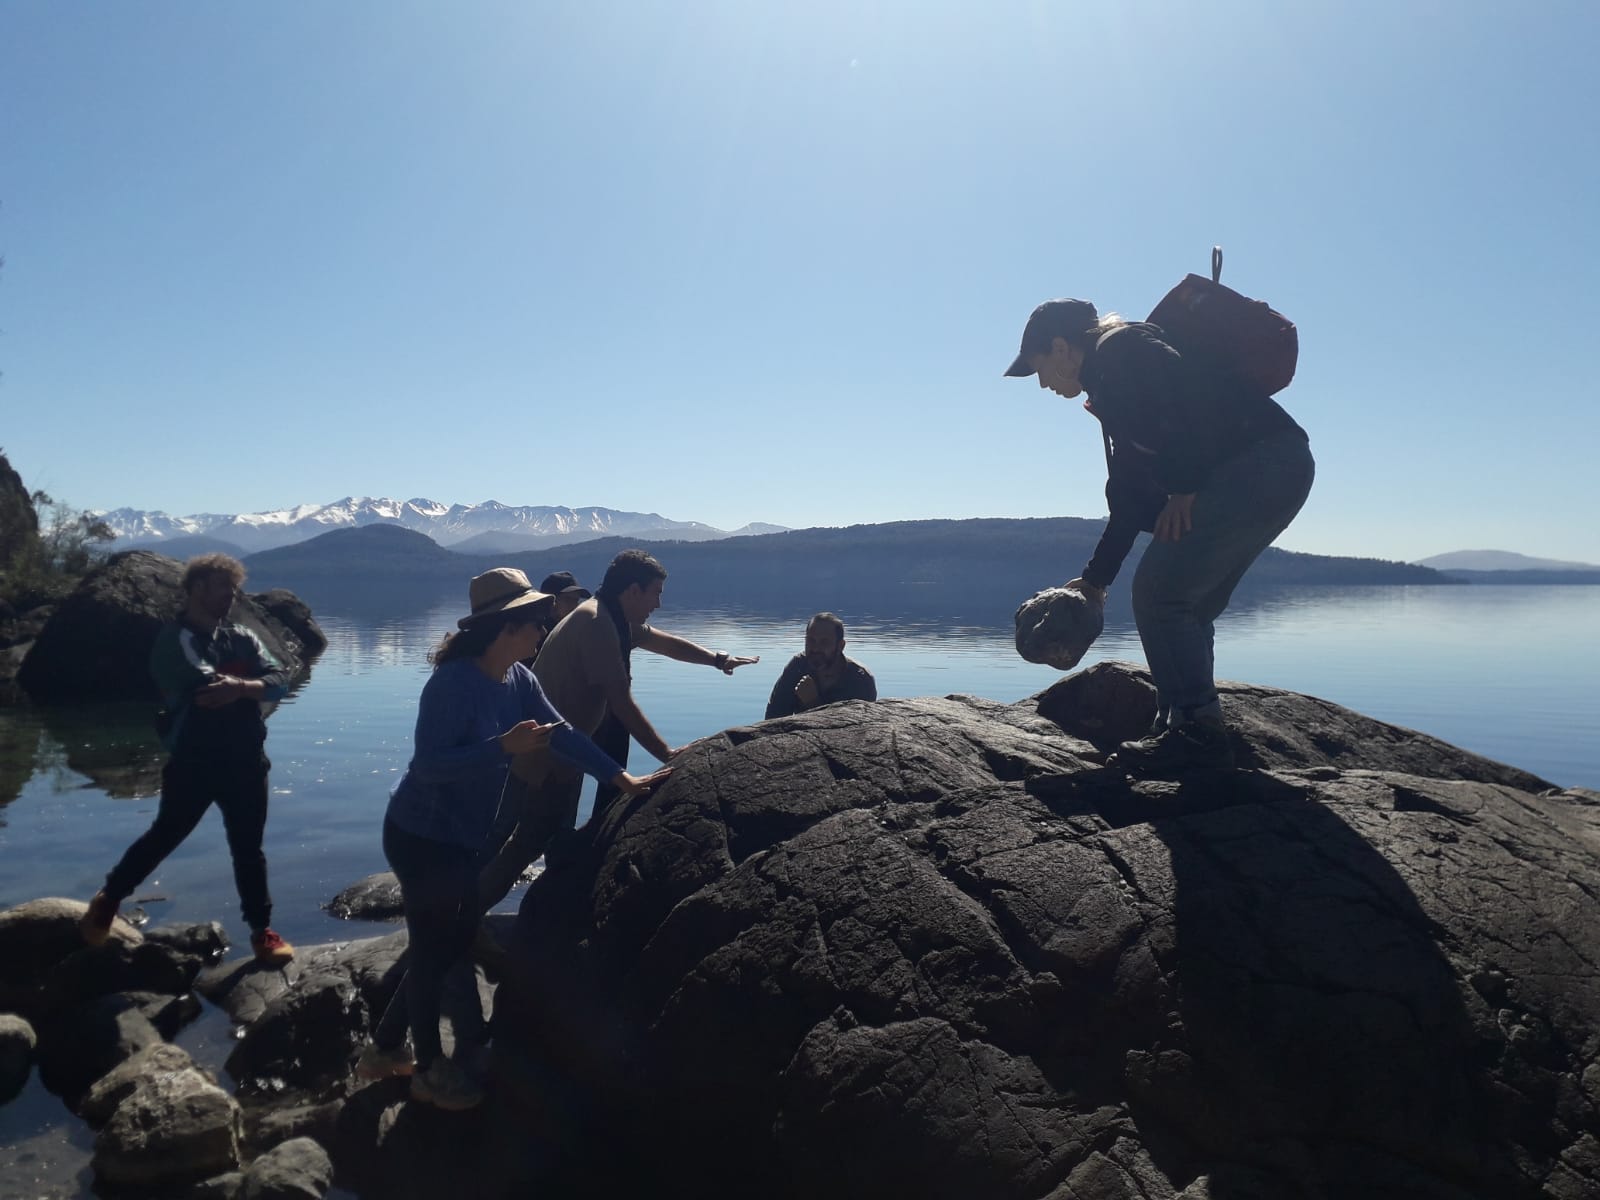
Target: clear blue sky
(733,260)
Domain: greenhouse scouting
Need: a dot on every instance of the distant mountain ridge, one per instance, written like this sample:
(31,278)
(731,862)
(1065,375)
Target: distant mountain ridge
(1500,560)
(981,567)
(504,527)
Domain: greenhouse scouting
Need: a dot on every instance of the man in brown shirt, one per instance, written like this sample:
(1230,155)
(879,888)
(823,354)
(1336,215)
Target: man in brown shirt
(583,667)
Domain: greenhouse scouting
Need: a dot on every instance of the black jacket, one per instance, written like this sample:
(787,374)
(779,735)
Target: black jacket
(854,683)
(185,659)
(1170,425)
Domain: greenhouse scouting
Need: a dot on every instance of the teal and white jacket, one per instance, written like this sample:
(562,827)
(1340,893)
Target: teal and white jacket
(185,659)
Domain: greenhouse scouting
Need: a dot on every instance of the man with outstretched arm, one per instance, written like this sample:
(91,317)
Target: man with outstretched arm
(584,668)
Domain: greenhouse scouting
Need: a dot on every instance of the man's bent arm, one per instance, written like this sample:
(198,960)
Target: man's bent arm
(269,672)
(620,701)
(783,702)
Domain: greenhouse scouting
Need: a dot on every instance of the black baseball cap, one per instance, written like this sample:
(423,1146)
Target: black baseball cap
(562,583)
(1069,319)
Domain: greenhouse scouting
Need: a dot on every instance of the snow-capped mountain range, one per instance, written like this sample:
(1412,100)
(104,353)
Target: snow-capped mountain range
(488,527)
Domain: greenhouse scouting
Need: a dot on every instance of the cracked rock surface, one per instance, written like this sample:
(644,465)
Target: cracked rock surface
(935,947)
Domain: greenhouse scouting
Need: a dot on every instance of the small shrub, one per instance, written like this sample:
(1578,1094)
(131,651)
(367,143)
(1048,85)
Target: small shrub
(46,565)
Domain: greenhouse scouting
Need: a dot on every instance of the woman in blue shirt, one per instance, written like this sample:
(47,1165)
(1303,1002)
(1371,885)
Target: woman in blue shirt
(479,707)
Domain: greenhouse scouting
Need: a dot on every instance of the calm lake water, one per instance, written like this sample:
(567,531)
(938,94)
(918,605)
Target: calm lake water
(1509,672)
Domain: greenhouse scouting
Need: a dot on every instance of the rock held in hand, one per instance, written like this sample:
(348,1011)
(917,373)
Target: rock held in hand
(1057,626)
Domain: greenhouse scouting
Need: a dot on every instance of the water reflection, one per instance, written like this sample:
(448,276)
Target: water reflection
(110,747)
(19,752)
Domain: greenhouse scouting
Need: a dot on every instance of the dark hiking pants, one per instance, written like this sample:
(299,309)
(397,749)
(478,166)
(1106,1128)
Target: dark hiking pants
(1182,587)
(189,787)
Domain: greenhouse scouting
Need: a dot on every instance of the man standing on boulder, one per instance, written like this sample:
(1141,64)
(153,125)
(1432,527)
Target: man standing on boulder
(1206,461)
(214,677)
(584,668)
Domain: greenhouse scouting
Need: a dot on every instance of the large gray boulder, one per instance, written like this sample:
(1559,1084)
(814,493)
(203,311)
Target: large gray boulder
(938,948)
(96,646)
(117,1084)
(177,1129)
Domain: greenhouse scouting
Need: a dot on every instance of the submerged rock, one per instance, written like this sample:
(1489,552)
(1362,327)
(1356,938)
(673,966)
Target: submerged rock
(936,947)
(375,898)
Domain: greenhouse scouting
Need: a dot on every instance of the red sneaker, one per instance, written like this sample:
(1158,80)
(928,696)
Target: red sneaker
(270,948)
(96,923)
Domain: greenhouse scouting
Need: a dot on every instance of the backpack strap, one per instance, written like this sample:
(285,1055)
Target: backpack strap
(1216,264)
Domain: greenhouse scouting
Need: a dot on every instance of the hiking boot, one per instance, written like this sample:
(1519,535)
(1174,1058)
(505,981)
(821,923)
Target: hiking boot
(445,1085)
(270,948)
(96,923)
(377,1063)
(1192,745)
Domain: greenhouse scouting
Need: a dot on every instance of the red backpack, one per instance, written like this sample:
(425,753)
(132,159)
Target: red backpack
(1216,326)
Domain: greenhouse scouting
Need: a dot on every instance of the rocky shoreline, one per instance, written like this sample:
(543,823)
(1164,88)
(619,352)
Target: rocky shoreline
(928,947)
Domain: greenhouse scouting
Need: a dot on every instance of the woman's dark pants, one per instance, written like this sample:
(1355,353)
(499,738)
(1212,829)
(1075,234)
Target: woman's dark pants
(439,892)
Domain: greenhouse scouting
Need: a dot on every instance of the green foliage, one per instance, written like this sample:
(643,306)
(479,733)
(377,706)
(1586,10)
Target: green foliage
(46,563)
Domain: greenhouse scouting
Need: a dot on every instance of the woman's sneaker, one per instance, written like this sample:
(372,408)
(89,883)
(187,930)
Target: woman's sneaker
(377,1063)
(1194,745)
(445,1085)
